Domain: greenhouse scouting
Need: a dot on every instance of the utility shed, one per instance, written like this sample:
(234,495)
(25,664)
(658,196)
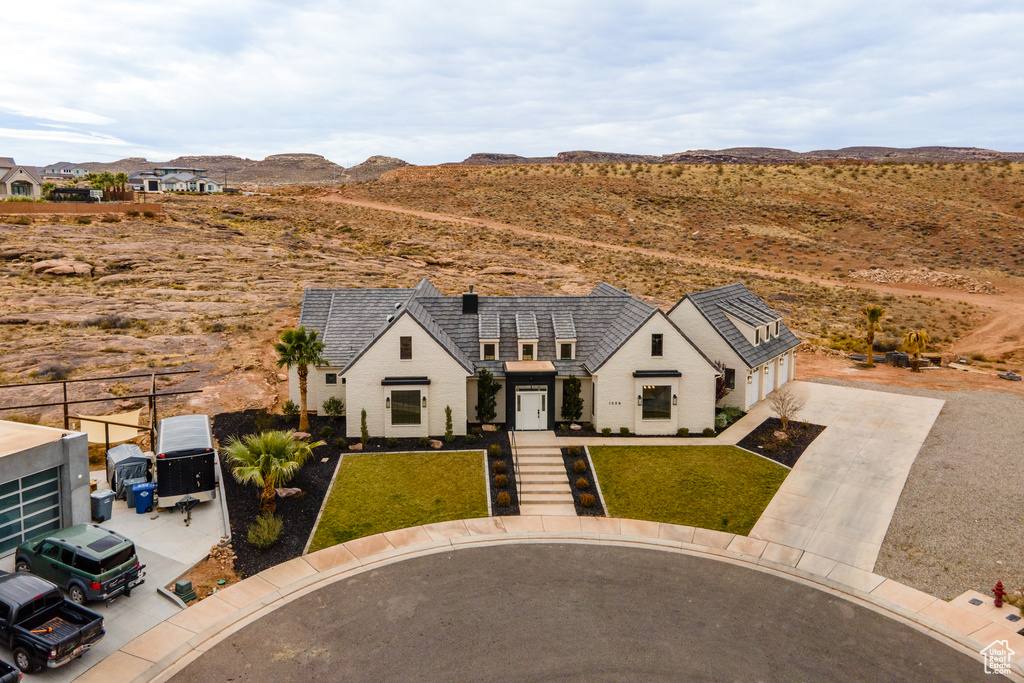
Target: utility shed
(44,481)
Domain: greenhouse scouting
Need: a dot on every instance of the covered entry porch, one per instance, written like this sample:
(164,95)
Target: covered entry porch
(530,401)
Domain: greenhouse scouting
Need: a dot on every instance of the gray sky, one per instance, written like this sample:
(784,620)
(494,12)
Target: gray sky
(431,82)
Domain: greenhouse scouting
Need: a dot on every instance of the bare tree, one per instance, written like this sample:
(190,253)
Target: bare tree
(785,405)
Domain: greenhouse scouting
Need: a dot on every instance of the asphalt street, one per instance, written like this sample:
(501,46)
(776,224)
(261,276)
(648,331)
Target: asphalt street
(540,612)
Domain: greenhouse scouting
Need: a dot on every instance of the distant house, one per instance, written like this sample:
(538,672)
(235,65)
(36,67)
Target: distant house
(19,181)
(736,329)
(62,171)
(174,179)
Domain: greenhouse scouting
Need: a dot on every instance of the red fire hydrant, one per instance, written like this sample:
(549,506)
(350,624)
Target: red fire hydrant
(999,593)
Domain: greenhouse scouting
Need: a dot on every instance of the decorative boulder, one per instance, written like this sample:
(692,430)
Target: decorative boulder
(575,427)
(489,428)
(780,435)
(356,447)
(300,436)
(435,444)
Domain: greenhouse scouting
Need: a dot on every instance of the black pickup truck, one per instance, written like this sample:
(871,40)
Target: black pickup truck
(40,626)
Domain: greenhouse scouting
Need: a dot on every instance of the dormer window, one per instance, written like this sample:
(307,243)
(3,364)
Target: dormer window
(526,352)
(757,336)
(776,328)
(489,331)
(488,351)
(565,335)
(526,330)
(567,351)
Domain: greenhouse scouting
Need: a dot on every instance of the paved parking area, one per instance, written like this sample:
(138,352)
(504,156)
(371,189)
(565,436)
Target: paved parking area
(838,501)
(168,549)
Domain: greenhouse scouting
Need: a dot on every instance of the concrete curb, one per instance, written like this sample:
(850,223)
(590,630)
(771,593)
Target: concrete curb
(167,648)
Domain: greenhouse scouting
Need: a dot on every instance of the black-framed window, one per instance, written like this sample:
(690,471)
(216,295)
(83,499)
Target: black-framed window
(757,336)
(657,402)
(657,345)
(527,351)
(565,352)
(730,378)
(489,351)
(776,328)
(405,407)
(405,353)
(331,378)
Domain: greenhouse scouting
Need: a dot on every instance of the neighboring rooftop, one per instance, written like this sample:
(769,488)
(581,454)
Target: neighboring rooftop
(16,437)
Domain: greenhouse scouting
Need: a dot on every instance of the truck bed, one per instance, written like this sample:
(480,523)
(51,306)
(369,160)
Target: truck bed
(55,630)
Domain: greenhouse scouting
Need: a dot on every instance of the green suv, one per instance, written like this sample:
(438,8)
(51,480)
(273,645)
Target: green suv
(87,561)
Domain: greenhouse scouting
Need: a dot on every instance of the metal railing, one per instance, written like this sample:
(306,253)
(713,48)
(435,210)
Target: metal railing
(515,465)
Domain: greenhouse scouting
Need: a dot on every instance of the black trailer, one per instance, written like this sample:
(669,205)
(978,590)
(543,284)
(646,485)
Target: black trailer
(186,461)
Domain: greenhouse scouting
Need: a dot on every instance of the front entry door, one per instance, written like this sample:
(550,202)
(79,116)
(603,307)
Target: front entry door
(531,410)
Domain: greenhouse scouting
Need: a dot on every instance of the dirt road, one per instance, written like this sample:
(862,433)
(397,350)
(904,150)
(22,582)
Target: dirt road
(1002,333)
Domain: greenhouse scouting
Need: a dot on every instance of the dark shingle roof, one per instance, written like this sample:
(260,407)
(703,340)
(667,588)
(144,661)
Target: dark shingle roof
(740,302)
(565,326)
(526,326)
(489,326)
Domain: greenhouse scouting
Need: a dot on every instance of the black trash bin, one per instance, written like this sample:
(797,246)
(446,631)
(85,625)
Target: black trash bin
(129,489)
(102,505)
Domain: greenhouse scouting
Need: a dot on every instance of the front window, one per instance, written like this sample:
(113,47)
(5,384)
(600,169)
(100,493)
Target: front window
(657,402)
(489,351)
(527,351)
(331,378)
(566,352)
(730,378)
(405,407)
(657,345)
(406,350)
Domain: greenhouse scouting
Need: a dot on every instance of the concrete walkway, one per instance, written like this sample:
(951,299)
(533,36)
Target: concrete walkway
(838,501)
(167,648)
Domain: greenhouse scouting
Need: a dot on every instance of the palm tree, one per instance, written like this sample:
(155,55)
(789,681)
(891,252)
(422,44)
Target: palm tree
(873,316)
(268,460)
(914,342)
(121,180)
(301,349)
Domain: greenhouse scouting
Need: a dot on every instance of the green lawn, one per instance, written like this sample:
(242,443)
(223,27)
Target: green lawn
(377,492)
(714,487)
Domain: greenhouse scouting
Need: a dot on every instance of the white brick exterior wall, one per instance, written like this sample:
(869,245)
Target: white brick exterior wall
(617,389)
(586,393)
(317,389)
(447,384)
(499,400)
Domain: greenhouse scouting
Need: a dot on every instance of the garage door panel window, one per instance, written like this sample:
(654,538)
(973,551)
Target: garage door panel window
(657,403)
(29,506)
(40,504)
(405,407)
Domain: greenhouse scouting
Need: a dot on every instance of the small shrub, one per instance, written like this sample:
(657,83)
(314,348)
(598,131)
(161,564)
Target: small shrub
(624,431)
(148,214)
(290,409)
(263,421)
(573,451)
(498,466)
(470,438)
(20,220)
(326,432)
(683,431)
(587,500)
(494,450)
(579,467)
(582,484)
(131,213)
(424,442)
(119,389)
(607,431)
(265,531)
(83,220)
(449,438)
(709,431)
(476,431)
(721,421)
(364,431)
(53,372)
(504,500)
(733,413)
(109,218)
(392,442)
(449,435)
(334,407)
(501,480)
(341,443)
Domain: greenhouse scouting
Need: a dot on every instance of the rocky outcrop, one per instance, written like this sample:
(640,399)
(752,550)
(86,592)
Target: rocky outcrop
(932,278)
(374,167)
(61,267)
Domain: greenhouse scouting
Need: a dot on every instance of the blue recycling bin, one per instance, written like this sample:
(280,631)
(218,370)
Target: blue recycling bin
(143,497)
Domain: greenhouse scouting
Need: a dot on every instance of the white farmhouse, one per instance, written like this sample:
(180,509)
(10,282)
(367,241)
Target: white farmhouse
(735,328)
(404,355)
(175,179)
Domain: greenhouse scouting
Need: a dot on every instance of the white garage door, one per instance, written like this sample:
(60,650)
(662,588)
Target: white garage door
(29,506)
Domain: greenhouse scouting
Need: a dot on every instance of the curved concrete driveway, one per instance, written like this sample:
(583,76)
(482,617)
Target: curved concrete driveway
(580,612)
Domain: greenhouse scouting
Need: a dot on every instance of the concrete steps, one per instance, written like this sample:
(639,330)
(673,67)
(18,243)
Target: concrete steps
(543,486)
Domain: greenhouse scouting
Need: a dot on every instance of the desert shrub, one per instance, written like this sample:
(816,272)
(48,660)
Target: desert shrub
(624,431)
(119,389)
(341,443)
(53,371)
(110,218)
(504,499)
(83,220)
(683,431)
(476,431)
(721,420)
(501,480)
(449,438)
(587,426)
(498,466)
(20,220)
(573,451)
(290,408)
(149,214)
(582,484)
(709,431)
(607,431)
(263,421)
(579,467)
(364,431)
(424,442)
(587,500)
(265,531)
(326,432)
(108,321)
(131,213)
(334,407)
(470,438)
(733,413)
(494,450)
(392,442)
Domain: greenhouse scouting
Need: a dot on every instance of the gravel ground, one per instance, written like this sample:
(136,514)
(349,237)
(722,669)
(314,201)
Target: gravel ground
(957,525)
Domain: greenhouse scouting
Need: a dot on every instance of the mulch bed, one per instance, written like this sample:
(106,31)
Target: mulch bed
(506,457)
(299,512)
(595,510)
(763,442)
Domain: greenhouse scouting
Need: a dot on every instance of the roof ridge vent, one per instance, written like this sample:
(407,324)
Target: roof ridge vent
(391,318)
(398,305)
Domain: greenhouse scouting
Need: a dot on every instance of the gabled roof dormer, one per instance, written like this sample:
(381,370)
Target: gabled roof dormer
(489,332)
(565,335)
(528,335)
